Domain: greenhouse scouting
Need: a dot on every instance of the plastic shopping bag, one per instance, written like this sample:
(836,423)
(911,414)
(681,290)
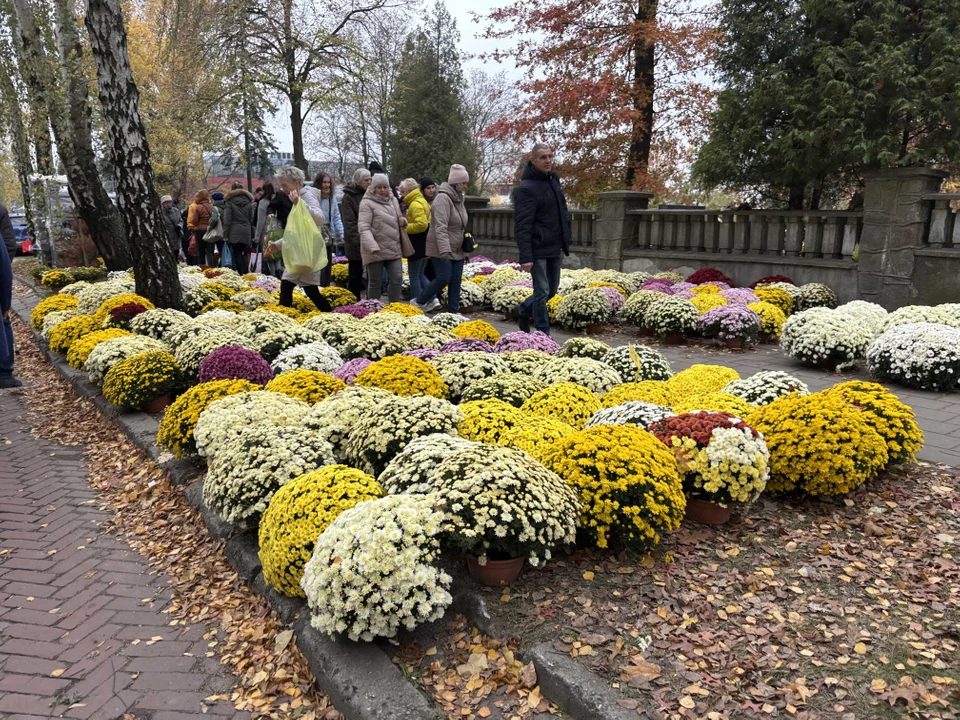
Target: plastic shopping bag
(303,248)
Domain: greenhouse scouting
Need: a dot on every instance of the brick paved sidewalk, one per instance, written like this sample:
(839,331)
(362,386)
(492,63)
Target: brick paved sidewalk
(82,632)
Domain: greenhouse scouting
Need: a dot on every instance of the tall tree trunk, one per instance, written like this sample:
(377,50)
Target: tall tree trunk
(296,125)
(795,201)
(641,133)
(153,261)
(19,141)
(69,113)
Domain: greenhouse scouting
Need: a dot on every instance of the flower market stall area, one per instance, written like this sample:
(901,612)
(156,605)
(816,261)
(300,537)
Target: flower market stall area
(370,469)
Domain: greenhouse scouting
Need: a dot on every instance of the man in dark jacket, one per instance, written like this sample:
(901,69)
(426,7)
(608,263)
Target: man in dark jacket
(7,380)
(349,214)
(543,234)
(239,221)
(6,229)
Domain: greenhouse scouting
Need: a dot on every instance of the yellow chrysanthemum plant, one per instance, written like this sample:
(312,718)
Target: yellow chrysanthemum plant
(404,375)
(535,435)
(567,402)
(51,304)
(720,457)
(819,444)
(657,392)
(299,512)
(340,273)
(228,305)
(892,419)
(772,318)
(487,420)
(139,379)
(338,296)
(628,484)
(704,302)
(698,379)
(310,386)
(401,309)
(81,348)
(56,279)
(64,334)
(180,419)
(479,329)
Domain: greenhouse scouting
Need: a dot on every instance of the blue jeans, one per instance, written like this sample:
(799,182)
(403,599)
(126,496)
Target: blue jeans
(6,348)
(418,281)
(546,280)
(448,273)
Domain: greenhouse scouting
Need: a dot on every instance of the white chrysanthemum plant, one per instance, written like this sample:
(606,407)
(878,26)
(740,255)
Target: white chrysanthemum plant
(870,313)
(580,308)
(766,386)
(337,415)
(225,419)
(372,571)
(825,338)
(500,503)
(109,352)
(594,375)
(921,355)
(317,356)
(671,315)
(387,427)
(912,314)
(461,369)
(252,465)
(636,363)
(412,470)
(634,412)
(158,323)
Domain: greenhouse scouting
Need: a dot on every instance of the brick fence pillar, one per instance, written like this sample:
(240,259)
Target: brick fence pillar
(614,230)
(893,221)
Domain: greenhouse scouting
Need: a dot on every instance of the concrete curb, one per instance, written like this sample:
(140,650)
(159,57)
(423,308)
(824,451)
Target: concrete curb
(360,678)
(580,693)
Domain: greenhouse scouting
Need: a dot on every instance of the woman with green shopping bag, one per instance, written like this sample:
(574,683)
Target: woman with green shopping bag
(302,245)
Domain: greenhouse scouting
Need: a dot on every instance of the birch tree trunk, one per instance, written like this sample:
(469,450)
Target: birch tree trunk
(19,140)
(64,94)
(153,260)
(93,204)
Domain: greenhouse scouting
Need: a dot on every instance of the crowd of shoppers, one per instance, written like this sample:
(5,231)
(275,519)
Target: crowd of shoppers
(377,225)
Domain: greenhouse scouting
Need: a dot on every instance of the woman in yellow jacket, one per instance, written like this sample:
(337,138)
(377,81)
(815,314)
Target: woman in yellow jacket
(418,222)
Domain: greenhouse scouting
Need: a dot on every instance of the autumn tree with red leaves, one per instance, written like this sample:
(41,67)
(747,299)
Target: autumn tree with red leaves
(616,86)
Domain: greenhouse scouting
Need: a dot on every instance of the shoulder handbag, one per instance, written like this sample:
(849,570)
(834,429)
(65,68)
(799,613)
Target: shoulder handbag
(215,230)
(406,247)
(469,244)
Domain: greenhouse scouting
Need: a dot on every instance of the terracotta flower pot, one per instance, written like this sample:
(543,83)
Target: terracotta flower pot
(707,511)
(673,339)
(156,405)
(766,338)
(496,572)
(735,344)
(594,328)
(646,332)
(466,309)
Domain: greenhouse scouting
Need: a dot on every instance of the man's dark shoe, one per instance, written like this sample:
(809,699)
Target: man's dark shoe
(10,382)
(524,323)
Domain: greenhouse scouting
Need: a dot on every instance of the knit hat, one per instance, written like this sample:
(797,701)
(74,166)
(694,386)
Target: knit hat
(166,198)
(379,179)
(426,182)
(458,174)
(217,196)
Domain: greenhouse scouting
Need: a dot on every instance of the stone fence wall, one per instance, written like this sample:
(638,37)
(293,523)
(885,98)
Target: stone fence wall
(903,248)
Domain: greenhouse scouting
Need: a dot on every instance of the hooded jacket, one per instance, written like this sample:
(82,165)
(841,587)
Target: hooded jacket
(448,222)
(198,216)
(350,214)
(418,222)
(542,220)
(379,225)
(238,217)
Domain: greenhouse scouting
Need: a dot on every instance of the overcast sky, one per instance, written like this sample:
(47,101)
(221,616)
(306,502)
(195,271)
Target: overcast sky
(470,45)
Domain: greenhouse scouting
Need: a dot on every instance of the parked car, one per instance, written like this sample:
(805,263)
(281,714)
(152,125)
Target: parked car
(25,244)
